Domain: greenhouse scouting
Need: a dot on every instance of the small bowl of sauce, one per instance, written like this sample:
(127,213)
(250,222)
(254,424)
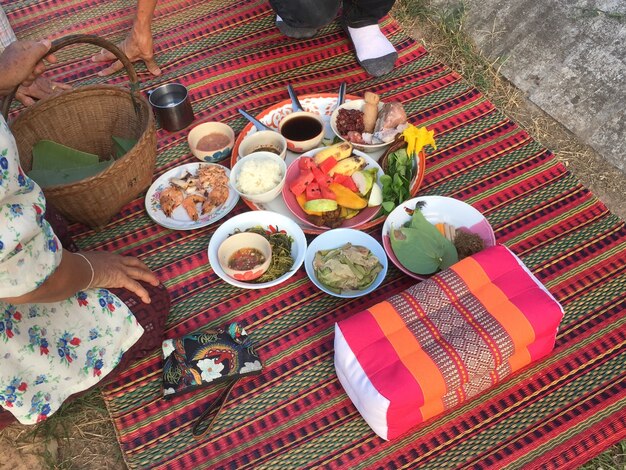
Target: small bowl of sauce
(264,141)
(245,256)
(211,141)
(303,131)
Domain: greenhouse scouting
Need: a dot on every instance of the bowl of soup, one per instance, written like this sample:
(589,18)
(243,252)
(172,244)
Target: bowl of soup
(245,256)
(211,141)
(302,130)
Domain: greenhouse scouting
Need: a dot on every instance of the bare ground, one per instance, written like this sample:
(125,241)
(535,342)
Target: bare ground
(83,436)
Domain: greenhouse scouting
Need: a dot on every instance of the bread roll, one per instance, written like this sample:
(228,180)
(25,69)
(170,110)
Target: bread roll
(370,111)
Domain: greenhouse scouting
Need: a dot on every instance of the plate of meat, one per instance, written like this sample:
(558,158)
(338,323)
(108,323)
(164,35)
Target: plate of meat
(368,124)
(191,196)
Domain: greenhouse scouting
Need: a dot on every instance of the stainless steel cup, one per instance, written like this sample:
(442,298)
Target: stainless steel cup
(172,106)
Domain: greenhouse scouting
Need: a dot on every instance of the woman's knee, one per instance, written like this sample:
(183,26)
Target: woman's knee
(306,14)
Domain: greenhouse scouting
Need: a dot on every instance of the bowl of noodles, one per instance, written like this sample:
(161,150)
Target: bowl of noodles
(285,236)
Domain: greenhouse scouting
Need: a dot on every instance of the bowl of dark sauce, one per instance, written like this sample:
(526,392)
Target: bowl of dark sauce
(302,130)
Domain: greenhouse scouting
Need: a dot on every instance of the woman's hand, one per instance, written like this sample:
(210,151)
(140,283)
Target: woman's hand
(21,63)
(137,46)
(115,271)
(104,270)
(41,88)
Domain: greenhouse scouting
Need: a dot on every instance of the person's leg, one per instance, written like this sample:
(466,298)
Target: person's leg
(374,51)
(301,19)
(152,317)
(60,226)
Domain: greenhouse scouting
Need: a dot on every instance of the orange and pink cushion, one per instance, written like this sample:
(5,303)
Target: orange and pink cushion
(444,340)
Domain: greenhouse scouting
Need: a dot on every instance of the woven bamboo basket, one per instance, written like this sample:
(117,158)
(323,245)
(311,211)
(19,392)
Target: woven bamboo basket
(86,118)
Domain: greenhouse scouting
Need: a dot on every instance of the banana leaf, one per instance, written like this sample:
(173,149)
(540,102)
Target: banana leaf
(46,178)
(49,155)
(420,247)
(121,146)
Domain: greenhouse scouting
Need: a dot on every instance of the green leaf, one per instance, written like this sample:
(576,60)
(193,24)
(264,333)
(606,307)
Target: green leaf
(49,155)
(121,146)
(388,206)
(420,247)
(415,250)
(46,178)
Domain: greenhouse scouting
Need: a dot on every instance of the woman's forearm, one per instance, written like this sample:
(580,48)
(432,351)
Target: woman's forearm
(72,275)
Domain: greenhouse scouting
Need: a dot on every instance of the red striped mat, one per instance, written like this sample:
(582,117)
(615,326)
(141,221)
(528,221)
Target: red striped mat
(554,414)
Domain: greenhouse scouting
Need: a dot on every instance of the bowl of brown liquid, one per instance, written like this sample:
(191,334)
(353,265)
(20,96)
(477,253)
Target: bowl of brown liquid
(211,141)
(302,130)
(264,141)
(245,256)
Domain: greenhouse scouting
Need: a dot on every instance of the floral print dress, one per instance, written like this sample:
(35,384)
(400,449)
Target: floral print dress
(53,350)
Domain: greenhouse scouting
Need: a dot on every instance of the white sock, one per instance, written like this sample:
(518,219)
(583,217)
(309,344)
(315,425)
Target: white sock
(370,42)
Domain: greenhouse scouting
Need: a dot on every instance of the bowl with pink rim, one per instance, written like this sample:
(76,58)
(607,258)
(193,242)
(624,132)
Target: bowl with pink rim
(293,171)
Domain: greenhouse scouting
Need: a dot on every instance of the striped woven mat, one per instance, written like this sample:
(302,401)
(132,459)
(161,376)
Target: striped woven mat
(557,413)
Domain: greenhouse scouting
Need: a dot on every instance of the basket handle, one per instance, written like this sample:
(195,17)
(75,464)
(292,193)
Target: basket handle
(87,39)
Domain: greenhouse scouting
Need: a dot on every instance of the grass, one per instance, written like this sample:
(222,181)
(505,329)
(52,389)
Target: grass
(80,435)
(442,31)
(613,459)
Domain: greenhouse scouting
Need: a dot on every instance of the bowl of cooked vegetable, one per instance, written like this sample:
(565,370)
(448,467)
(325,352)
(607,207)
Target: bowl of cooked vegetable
(346,263)
(284,236)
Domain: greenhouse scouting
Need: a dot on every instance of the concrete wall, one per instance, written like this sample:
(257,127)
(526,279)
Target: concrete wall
(568,56)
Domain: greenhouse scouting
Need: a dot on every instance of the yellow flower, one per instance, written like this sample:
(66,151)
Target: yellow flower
(417,138)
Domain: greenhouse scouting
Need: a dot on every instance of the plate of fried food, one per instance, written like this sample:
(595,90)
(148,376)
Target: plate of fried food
(191,196)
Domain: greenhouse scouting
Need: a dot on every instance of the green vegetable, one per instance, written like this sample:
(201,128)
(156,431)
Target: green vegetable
(397,180)
(282,260)
(364,180)
(376,196)
(420,247)
(348,267)
(47,178)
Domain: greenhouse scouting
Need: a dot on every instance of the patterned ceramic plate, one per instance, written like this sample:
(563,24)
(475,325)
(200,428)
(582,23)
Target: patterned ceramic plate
(324,104)
(438,209)
(179,219)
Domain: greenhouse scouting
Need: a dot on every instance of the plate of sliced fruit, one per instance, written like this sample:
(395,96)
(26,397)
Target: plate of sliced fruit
(191,196)
(333,187)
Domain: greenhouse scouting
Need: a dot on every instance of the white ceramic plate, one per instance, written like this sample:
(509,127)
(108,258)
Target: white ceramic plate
(269,221)
(339,237)
(321,103)
(438,209)
(179,219)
